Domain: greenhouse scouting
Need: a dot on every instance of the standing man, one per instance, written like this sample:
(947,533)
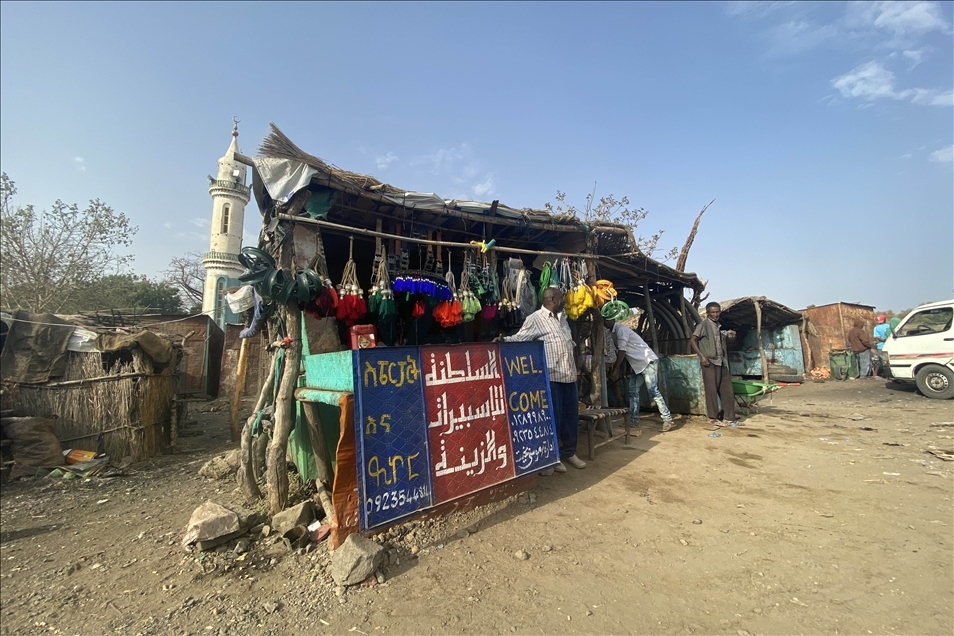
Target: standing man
(644,363)
(881,332)
(549,324)
(709,342)
(861,345)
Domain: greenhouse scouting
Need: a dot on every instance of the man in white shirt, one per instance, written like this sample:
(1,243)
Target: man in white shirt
(644,363)
(549,324)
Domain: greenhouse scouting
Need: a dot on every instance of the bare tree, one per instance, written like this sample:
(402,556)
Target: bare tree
(612,210)
(684,254)
(47,258)
(187,274)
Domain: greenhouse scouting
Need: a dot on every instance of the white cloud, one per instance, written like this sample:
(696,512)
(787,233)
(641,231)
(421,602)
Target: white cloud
(871,81)
(900,18)
(906,155)
(200,222)
(167,226)
(944,155)
(754,9)
(443,160)
(80,163)
(485,188)
(914,56)
(383,161)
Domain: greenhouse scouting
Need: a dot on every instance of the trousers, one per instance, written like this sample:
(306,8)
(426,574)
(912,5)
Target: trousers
(718,384)
(566,410)
(650,378)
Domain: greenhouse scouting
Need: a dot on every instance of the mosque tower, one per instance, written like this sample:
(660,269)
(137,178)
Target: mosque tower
(229,196)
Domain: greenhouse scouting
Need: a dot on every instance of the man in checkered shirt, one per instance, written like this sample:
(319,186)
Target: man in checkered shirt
(549,324)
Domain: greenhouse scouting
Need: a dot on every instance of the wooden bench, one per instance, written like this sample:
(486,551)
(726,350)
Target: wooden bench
(591,418)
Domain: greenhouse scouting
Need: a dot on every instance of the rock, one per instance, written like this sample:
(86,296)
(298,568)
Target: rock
(241,547)
(472,529)
(379,577)
(683,542)
(547,548)
(270,607)
(462,534)
(266,530)
(415,549)
(300,515)
(221,467)
(697,521)
(532,497)
(521,555)
(210,522)
(356,559)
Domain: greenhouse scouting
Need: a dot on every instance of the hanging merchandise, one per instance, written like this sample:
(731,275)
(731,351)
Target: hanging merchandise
(448,313)
(603,292)
(470,305)
(580,297)
(381,296)
(325,303)
(545,278)
(566,277)
(524,295)
(509,313)
(351,304)
(490,299)
(615,310)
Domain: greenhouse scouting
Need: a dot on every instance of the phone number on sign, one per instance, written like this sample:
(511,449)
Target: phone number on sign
(396,499)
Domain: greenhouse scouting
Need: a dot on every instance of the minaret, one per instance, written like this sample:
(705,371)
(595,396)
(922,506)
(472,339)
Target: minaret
(229,196)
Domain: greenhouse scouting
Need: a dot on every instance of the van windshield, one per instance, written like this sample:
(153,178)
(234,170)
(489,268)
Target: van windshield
(927,321)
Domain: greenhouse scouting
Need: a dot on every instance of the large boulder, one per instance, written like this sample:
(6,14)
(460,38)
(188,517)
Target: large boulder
(222,466)
(356,559)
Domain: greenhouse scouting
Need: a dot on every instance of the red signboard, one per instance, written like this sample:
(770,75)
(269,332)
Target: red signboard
(468,432)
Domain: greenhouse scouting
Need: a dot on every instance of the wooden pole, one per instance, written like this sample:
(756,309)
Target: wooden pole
(598,338)
(758,337)
(652,319)
(319,447)
(247,479)
(239,388)
(276,471)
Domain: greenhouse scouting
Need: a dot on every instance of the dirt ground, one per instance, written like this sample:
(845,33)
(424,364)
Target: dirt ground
(823,514)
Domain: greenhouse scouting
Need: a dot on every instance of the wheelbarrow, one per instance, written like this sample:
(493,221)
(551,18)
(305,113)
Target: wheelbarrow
(748,393)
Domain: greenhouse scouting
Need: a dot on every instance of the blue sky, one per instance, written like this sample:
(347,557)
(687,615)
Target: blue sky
(823,131)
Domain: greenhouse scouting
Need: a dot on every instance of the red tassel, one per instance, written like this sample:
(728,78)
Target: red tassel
(418,310)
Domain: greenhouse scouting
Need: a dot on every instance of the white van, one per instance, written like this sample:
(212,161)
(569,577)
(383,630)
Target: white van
(921,349)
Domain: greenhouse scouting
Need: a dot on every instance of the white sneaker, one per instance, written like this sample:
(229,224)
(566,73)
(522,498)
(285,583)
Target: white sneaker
(560,468)
(575,462)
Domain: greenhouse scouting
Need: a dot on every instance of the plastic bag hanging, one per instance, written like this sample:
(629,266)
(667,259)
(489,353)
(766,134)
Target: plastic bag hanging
(351,304)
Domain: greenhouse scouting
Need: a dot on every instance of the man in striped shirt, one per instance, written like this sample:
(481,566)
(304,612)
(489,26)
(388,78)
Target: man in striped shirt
(549,324)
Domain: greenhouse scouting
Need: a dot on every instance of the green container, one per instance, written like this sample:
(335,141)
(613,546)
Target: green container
(749,387)
(842,364)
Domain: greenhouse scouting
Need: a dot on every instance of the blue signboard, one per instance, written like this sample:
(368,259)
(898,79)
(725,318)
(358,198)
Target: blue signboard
(394,476)
(532,425)
(469,418)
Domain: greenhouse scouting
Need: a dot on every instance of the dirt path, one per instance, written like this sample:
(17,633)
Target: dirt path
(802,521)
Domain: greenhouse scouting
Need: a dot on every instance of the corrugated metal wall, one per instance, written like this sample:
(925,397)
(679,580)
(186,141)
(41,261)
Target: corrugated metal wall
(831,324)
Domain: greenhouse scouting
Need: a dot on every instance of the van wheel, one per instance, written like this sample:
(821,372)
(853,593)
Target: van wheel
(935,381)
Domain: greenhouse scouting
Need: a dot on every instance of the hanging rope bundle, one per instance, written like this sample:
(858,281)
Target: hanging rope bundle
(351,304)
(470,305)
(490,299)
(381,296)
(603,292)
(545,280)
(579,298)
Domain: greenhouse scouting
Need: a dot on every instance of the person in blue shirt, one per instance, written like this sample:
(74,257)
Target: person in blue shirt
(881,332)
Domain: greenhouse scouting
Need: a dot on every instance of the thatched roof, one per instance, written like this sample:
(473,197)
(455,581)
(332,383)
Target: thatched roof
(524,228)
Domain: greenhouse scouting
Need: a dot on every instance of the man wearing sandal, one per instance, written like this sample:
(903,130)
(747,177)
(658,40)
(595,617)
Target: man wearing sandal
(642,360)
(709,343)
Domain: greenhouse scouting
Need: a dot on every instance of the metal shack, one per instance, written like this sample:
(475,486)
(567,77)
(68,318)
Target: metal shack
(768,341)
(828,327)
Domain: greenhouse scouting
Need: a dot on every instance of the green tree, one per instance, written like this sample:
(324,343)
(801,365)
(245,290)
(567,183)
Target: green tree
(609,209)
(127,292)
(48,258)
